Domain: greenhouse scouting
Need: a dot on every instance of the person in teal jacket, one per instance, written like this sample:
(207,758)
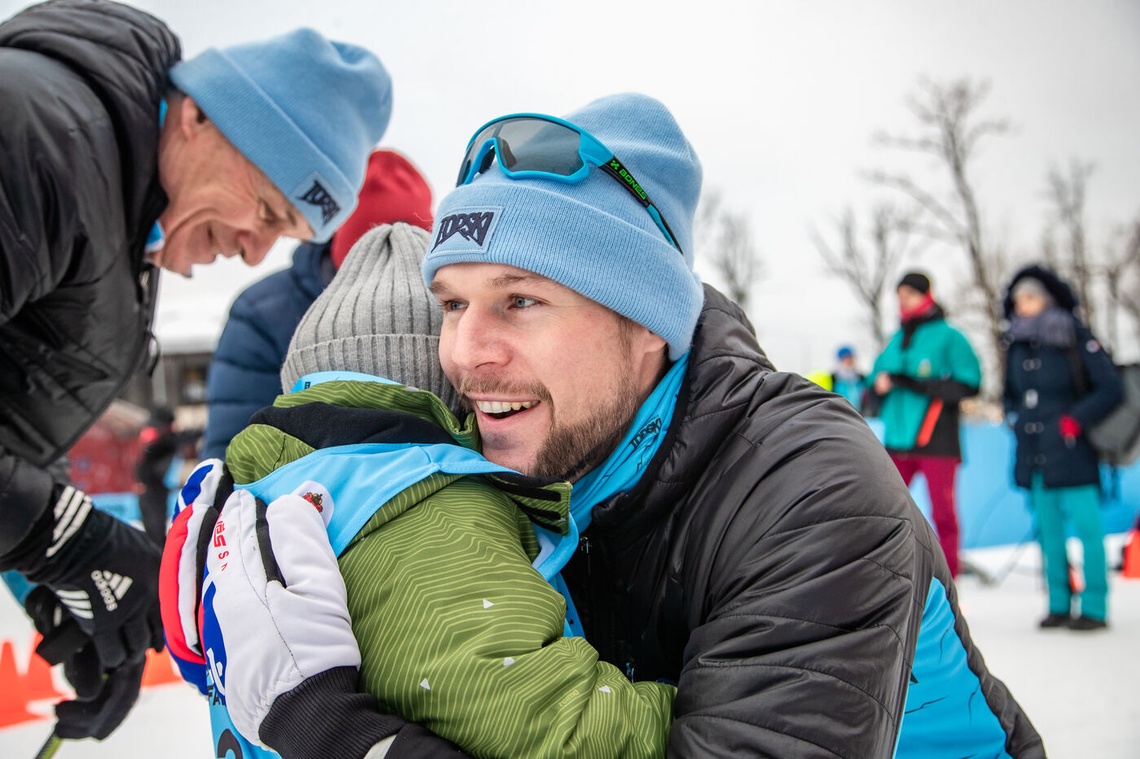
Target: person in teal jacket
(922,375)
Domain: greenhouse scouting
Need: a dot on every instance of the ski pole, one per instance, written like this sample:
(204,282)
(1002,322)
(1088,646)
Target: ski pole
(51,745)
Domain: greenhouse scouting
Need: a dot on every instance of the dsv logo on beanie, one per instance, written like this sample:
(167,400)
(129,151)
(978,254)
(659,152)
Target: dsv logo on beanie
(466,231)
(318,196)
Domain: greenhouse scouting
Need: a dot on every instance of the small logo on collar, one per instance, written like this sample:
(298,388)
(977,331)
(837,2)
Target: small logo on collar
(319,496)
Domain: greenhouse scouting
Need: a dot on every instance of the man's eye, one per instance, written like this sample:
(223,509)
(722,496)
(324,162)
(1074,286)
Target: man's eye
(519,301)
(451,305)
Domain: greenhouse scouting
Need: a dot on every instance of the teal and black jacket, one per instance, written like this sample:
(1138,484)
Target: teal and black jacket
(772,564)
(932,368)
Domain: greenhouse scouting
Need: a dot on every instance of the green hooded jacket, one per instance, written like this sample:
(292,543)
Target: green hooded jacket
(457,629)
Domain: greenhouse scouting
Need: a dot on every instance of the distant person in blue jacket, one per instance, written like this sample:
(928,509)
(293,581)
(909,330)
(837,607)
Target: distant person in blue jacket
(1058,383)
(927,368)
(245,372)
(848,381)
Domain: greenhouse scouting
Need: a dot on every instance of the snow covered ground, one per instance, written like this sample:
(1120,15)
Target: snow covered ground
(1081,690)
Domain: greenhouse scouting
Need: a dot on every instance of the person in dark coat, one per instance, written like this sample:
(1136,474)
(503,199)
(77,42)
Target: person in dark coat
(119,159)
(1059,382)
(245,371)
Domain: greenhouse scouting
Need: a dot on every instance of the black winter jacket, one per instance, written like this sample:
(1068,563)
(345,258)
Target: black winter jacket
(80,87)
(1044,382)
(772,564)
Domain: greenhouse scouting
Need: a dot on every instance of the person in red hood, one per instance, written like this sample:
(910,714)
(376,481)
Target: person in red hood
(245,372)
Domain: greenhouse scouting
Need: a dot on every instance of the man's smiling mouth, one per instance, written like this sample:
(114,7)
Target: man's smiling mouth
(503,409)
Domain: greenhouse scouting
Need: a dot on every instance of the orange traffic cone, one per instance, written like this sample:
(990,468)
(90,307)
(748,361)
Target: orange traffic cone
(13,701)
(159,669)
(38,682)
(1132,556)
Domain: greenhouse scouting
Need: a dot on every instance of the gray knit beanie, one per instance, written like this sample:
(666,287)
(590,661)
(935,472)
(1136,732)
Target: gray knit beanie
(375,317)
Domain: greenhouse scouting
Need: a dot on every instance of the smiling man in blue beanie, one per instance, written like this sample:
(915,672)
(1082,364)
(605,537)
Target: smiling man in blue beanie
(119,159)
(743,534)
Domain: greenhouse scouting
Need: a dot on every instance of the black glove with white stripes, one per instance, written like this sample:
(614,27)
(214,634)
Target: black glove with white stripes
(102,698)
(103,571)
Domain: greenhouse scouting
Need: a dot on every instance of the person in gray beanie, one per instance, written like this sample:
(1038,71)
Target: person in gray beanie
(119,159)
(374,318)
(446,562)
(742,533)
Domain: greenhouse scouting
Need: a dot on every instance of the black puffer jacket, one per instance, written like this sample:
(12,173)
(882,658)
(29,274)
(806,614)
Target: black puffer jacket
(1044,381)
(80,87)
(773,565)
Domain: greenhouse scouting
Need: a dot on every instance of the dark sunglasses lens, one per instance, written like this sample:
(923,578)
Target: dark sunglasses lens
(476,146)
(526,144)
(535,145)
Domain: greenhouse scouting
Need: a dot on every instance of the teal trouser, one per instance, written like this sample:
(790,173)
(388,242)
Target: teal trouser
(1081,506)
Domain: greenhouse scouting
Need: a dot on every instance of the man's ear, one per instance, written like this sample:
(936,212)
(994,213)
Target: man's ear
(654,351)
(191,119)
(652,343)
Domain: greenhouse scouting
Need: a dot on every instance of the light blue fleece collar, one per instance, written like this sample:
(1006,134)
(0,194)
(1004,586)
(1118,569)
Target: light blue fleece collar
(624,467)
(156,238)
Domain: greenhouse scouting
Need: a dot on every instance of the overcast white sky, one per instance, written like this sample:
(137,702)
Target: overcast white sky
(779,99)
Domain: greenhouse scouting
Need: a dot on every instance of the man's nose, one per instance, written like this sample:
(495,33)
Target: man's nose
(476,339)
(256,244)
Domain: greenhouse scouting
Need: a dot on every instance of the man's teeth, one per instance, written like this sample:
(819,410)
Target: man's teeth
(502,407)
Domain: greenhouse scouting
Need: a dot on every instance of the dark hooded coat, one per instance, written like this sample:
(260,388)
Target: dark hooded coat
(1050,374)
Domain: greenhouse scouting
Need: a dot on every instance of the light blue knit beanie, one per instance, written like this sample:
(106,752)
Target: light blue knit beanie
(593,237)
(305,110)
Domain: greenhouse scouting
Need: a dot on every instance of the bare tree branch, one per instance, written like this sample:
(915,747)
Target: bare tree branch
(1067,194)
(727,239)
(868,272)
(951,131)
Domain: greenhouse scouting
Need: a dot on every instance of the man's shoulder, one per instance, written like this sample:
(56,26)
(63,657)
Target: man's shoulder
(786,411)
(799,456)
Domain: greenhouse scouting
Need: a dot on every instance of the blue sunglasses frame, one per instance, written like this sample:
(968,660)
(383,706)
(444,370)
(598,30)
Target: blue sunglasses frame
(485,145)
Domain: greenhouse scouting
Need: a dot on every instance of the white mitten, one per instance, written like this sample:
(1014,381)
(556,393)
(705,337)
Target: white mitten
(274,605)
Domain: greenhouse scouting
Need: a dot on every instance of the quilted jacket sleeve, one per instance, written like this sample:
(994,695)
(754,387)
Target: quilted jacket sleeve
(804,584)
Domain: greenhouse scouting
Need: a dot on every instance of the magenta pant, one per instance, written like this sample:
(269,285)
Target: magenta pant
(939,472)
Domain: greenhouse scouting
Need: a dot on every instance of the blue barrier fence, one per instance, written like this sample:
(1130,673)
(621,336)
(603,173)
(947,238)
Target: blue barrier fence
(992,511)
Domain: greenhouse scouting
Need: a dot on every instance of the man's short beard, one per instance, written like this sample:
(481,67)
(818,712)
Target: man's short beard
(571,451)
